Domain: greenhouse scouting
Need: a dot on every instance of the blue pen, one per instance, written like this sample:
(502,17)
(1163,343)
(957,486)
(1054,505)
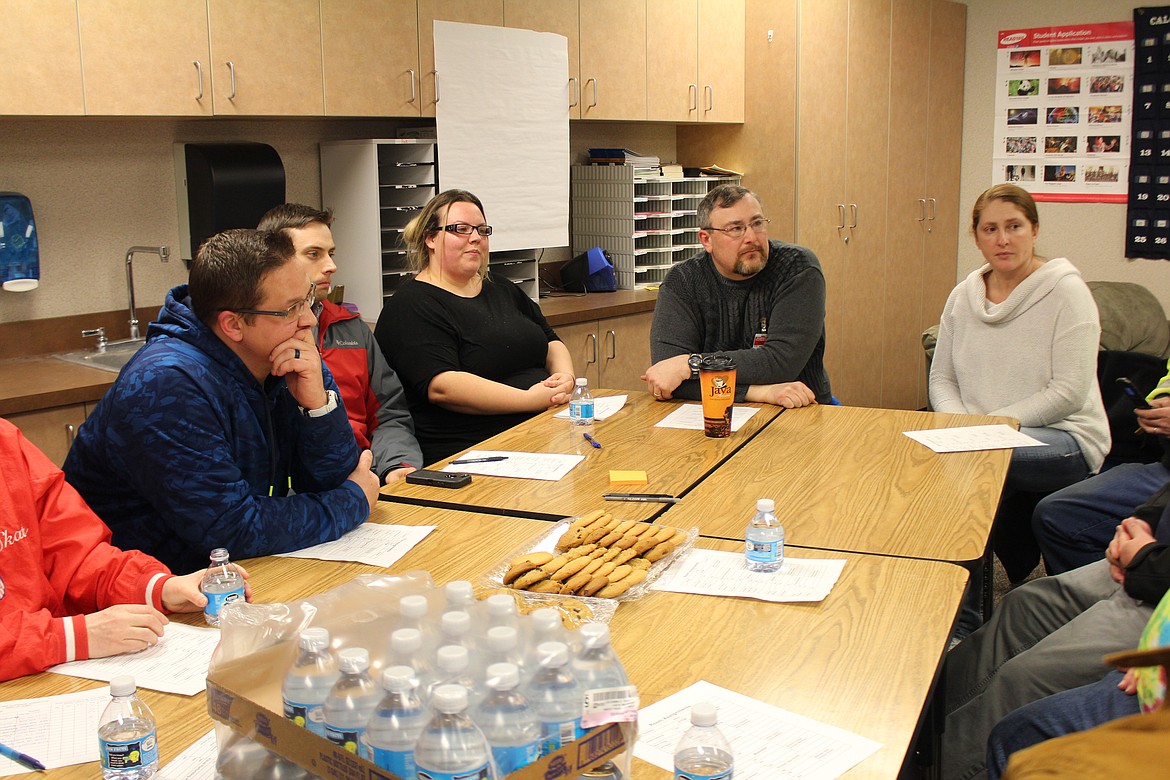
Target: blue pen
(21,758)
(596,444)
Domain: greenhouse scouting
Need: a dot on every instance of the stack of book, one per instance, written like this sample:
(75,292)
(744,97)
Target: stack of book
(644,164)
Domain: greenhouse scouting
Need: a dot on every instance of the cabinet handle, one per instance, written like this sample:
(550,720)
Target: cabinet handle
(70,432)
(436,86)
(612,345)
(594,103)
(198,78)
(710,90)
(933,213)
(232,70)
(841,212)
(575,91)
(922,209)
(693,93)
(593,338)
(853,208)
(413,89)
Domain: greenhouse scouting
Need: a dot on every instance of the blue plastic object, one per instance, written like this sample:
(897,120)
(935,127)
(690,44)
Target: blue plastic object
(20,265)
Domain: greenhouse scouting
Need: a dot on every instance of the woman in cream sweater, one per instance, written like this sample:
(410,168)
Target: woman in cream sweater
(1019,338)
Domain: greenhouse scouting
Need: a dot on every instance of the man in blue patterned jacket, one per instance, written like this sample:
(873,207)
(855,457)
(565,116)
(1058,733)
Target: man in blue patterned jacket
(225,429)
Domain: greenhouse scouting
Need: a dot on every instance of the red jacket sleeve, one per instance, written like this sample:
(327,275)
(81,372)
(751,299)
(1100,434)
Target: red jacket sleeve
(56,563)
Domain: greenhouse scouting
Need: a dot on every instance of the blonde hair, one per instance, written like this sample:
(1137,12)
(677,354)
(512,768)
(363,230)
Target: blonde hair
(426,224)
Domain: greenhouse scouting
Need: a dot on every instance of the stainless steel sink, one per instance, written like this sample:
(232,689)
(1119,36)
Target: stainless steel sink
(112,359)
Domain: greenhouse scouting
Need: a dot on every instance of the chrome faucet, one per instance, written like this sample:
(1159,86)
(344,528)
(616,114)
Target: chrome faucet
(164,253)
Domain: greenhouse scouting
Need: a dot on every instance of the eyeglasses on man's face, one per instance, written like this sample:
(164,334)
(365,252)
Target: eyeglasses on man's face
(292,312)
(735,232)
(464,229)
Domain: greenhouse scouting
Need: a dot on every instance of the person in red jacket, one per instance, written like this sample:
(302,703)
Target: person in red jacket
(370,390)
(66,593)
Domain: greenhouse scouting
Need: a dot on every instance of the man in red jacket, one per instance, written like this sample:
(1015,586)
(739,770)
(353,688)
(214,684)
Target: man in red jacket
(66,594)
(370,390)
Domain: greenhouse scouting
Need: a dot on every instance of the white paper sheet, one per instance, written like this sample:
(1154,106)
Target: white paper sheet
(602,407)
(502,123)
(195,763)
(522,465)
(177,664)
(974,437)
(690,417)
(720,573)
(56,730)
(768,743)
(372,543)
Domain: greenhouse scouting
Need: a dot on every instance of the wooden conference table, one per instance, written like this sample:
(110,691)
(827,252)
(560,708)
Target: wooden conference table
(863,659)
(674,460)
(846,478)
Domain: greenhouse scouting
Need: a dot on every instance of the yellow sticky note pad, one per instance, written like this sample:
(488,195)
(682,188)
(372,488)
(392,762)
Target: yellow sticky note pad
(627,477)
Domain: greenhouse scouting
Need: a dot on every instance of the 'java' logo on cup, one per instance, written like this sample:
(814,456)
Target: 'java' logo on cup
(719,387)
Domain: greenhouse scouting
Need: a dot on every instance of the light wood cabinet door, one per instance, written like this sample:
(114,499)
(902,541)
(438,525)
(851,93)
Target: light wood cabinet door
(584,348)
(40,69)
(266,57)
(51,430)
(429,11)
(555,16)
(613,59)
(145,59)
(625,351)
(369,50)
(672,60)
(721,54)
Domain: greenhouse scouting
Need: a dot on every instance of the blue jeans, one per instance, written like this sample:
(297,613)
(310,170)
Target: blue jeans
(1043,469)
(1076,524)
(1055,716)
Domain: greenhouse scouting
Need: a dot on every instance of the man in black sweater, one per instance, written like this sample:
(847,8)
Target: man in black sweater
(761,302)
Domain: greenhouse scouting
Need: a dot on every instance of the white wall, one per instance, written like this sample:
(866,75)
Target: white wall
(1092,235)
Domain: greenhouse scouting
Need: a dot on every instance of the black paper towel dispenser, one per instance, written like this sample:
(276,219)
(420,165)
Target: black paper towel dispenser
(223,186)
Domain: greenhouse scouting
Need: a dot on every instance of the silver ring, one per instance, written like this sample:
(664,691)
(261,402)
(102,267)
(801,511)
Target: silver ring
(296,354)
(657,395)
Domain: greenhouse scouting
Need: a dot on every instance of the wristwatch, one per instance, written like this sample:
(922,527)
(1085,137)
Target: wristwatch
(329,406)
(693,361)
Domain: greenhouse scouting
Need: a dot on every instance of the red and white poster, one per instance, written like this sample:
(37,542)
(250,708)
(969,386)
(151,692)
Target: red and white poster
(1063,110)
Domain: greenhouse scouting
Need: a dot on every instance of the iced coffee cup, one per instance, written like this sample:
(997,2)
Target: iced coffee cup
(717,384)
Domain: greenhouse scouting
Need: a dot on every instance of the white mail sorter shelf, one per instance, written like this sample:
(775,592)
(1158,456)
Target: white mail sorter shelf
(646,225)
(375,187)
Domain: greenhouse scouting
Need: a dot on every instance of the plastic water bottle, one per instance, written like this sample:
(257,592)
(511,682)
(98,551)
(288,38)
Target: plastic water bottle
(764,538)
(352,701)
(126,734)
(501,645)
(455,629)
(501,611)
(460,594)
(545,625)
(406,649)
(581,403)
(397,723)
(453,667)
(703,753)
(596,665)
(451,746)
(413,612)
(221,585)
(508,722)
(556,697)
(309,680)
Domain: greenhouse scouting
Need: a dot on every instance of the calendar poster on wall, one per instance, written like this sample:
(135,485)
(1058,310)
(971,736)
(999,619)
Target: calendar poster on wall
(1063,108)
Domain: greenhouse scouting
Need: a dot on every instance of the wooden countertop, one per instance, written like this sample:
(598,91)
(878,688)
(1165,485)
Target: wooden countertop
(29,384)
(568,309)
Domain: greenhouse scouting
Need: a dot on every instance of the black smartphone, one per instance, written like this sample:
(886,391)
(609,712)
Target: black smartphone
(444,479)
(1131,392)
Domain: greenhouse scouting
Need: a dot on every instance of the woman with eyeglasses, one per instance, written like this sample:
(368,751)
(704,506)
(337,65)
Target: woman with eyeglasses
(474,353)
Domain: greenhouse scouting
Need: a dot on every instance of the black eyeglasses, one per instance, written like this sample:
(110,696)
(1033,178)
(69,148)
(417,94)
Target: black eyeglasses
(464,229)
(735,232)
(291,312)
